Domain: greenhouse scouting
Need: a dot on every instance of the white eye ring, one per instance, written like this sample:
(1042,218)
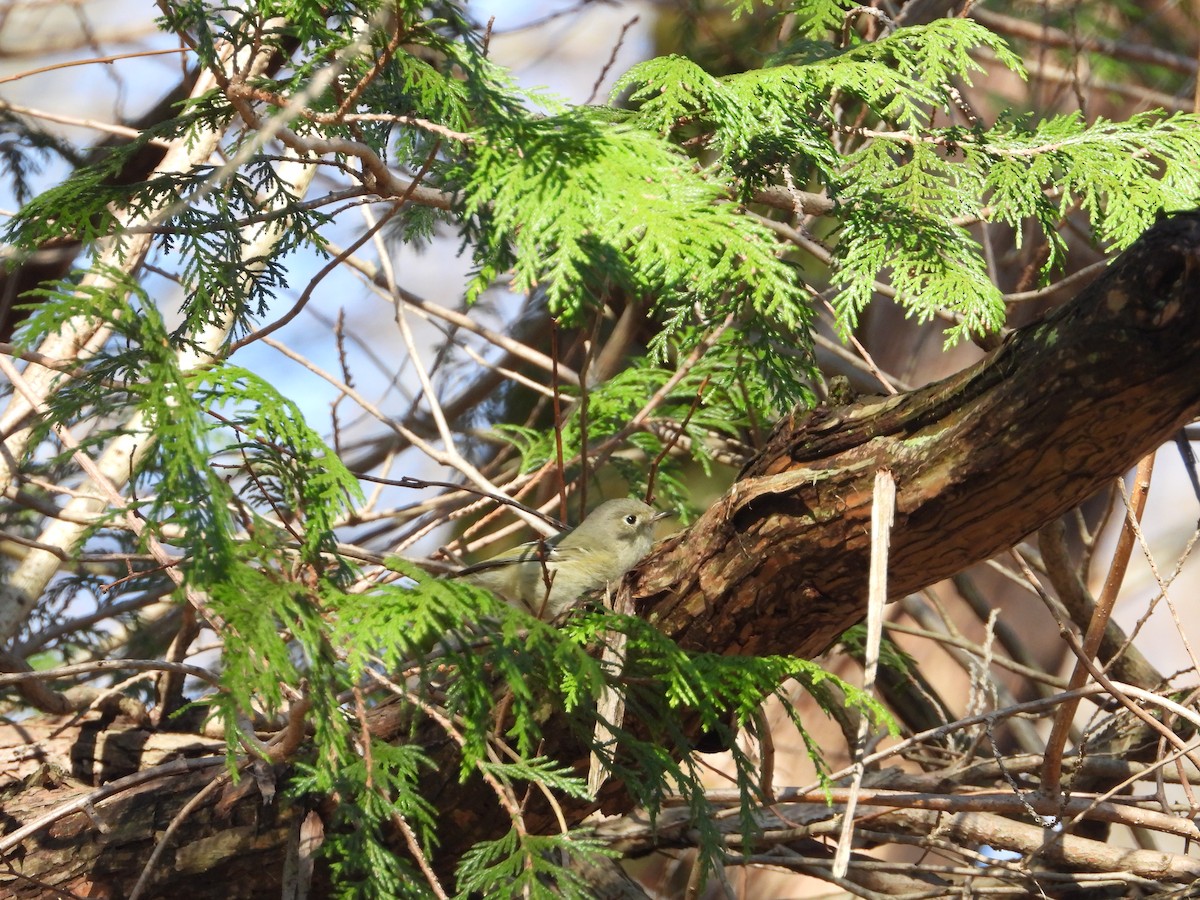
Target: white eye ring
(631,519)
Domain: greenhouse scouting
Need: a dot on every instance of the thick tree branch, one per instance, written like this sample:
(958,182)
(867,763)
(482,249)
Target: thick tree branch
(982,459)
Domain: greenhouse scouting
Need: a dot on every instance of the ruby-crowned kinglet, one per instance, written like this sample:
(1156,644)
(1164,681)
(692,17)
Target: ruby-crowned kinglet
(547,577)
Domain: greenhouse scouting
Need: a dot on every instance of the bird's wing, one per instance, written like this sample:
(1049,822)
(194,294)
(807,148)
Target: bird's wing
(534,551)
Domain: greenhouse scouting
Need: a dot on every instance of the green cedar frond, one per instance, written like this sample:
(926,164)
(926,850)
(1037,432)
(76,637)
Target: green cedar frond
(649,199)
(817,18)
(549,772)
(526,865)
(361,861)
(666,90)
(279,449)
(932,265)
(25,149)
(574,197)
(904,74)
(901,190)
(1123,174)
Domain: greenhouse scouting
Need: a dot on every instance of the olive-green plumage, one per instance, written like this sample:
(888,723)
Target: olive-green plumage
(547,577)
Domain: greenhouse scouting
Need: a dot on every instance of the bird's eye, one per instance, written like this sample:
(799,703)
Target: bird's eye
(631,519)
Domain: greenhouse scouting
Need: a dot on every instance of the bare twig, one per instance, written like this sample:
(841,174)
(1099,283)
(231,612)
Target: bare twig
(883,508)
(1056,742)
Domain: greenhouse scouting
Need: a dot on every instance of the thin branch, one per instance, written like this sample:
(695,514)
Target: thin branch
(164,840)
(1056,742)
(67,64)
(449,457)
(112,665)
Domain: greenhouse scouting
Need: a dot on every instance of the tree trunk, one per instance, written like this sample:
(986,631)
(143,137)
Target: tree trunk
(779,565)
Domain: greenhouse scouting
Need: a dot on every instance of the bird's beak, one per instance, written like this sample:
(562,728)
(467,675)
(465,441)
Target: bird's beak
(665,514)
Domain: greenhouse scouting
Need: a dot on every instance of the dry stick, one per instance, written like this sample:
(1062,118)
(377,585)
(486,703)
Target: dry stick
(275,127)
(610,706)
(1120,692)
(612,59)
(414,847)
(121,453)
(30,544)
(82,122)
(1124,696)
(381,61)
(987,803)
(435,407)
(933,734)
(961,643)
(284,743)
(508,374)
(161,845)
(1175,757)
(836,349)
(46,508)
(495,747)
(136,524)
(410,839)
(789,860)
(73,368)
(1047,72)
(1080,279)
(558,443)
(85,462)
(1125,660)
(864,353)
(1057,741)
(108,665)
(425,377)
(460,320)
(32,691)
(996,802)
(39,639)
(1179,627)
(335,421)
(585,366)
(883,510)
(1163,588)
(523,483)
(385,259)
(503,791)
(311,287)
(407,481)
(450,457)
(1152,605)
(1043,35)
(87,62)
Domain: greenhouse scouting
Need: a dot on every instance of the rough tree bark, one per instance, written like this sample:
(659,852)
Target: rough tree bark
(981,459)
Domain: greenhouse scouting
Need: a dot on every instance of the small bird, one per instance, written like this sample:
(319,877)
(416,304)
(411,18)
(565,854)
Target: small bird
(547,577)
